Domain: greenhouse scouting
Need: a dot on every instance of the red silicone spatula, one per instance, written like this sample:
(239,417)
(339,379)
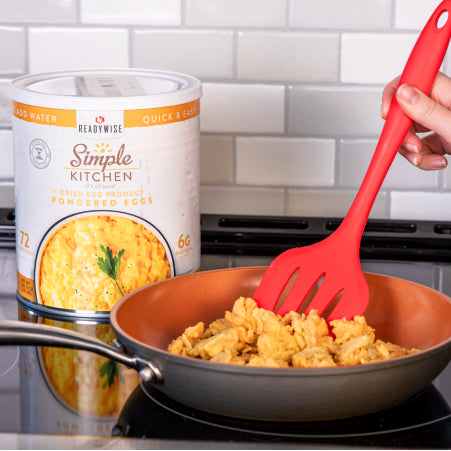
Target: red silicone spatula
(336,260)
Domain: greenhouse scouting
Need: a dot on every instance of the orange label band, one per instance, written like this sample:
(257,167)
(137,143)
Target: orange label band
(147,117)
(45,116)
(160,116)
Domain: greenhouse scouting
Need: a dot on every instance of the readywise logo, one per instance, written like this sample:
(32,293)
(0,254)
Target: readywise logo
(98,125)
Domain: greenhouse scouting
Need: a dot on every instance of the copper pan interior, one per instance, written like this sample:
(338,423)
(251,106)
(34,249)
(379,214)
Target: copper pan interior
(402,312)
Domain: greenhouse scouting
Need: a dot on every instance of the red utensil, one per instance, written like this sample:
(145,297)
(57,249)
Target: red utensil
(336,259)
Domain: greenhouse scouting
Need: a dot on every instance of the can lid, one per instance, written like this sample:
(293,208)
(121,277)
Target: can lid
(109,89)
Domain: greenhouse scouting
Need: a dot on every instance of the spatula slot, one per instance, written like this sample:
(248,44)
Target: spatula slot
(298,293)
(332,305)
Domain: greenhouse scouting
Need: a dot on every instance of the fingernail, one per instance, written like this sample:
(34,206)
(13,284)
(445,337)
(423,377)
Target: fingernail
(408,94)
(439,163)
(411,147)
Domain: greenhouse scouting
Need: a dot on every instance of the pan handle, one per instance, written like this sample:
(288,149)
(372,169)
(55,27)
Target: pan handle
(25,334)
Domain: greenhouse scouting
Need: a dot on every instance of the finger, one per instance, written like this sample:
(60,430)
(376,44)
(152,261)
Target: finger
(425,161)
(412,142)
(387,96)
(432,162)
(412,157)
(425,111)
(441,91)
(433,151)
(432,143)
(430,156)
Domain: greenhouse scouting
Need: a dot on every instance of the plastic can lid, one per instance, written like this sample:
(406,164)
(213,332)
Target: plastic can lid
(122,89)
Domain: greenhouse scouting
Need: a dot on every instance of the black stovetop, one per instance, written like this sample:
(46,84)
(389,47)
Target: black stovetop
(269,236)
(423,421)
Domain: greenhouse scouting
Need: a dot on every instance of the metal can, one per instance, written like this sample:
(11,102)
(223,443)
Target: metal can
(69,391)
(106,185)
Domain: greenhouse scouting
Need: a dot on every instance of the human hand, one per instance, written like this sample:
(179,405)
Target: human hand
(430,114)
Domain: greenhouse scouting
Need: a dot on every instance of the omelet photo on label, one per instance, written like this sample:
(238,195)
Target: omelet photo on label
(89,262)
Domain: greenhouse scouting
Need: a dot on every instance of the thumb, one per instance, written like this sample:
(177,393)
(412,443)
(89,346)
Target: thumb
(424,110)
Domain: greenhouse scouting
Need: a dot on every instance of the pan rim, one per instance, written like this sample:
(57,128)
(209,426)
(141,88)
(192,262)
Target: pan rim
(136,346)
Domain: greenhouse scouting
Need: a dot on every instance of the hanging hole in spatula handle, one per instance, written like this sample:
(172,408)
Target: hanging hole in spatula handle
(442,19)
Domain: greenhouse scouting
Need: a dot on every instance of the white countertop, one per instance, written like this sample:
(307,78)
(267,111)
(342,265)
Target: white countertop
(24,441)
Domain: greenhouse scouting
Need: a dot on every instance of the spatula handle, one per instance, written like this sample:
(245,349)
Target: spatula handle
(420,71)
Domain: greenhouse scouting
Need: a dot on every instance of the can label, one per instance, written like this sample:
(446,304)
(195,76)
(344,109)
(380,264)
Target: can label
(106,200)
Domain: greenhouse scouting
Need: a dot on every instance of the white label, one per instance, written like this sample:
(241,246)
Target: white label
(105,203)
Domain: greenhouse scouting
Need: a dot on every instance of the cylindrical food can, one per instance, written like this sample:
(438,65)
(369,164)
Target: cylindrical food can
(106,185)
(69,391)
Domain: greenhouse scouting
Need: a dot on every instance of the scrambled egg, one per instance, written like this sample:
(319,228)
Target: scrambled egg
(249,335)
(69,272)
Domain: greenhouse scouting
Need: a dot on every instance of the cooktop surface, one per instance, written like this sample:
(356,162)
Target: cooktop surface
(422,421)
(65,392)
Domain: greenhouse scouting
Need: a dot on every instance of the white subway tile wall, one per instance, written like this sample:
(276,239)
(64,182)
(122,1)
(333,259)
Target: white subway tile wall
(12,49)
(179,50)
(57,48)
(334,111)
(300,161)
(410,14)
(242,108)
(290,112)
(354,157)
(374,58)
(136,12)
(342,15)
(281,56)
(236,13)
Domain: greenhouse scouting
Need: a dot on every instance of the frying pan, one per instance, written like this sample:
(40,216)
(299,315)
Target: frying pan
(146,320)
